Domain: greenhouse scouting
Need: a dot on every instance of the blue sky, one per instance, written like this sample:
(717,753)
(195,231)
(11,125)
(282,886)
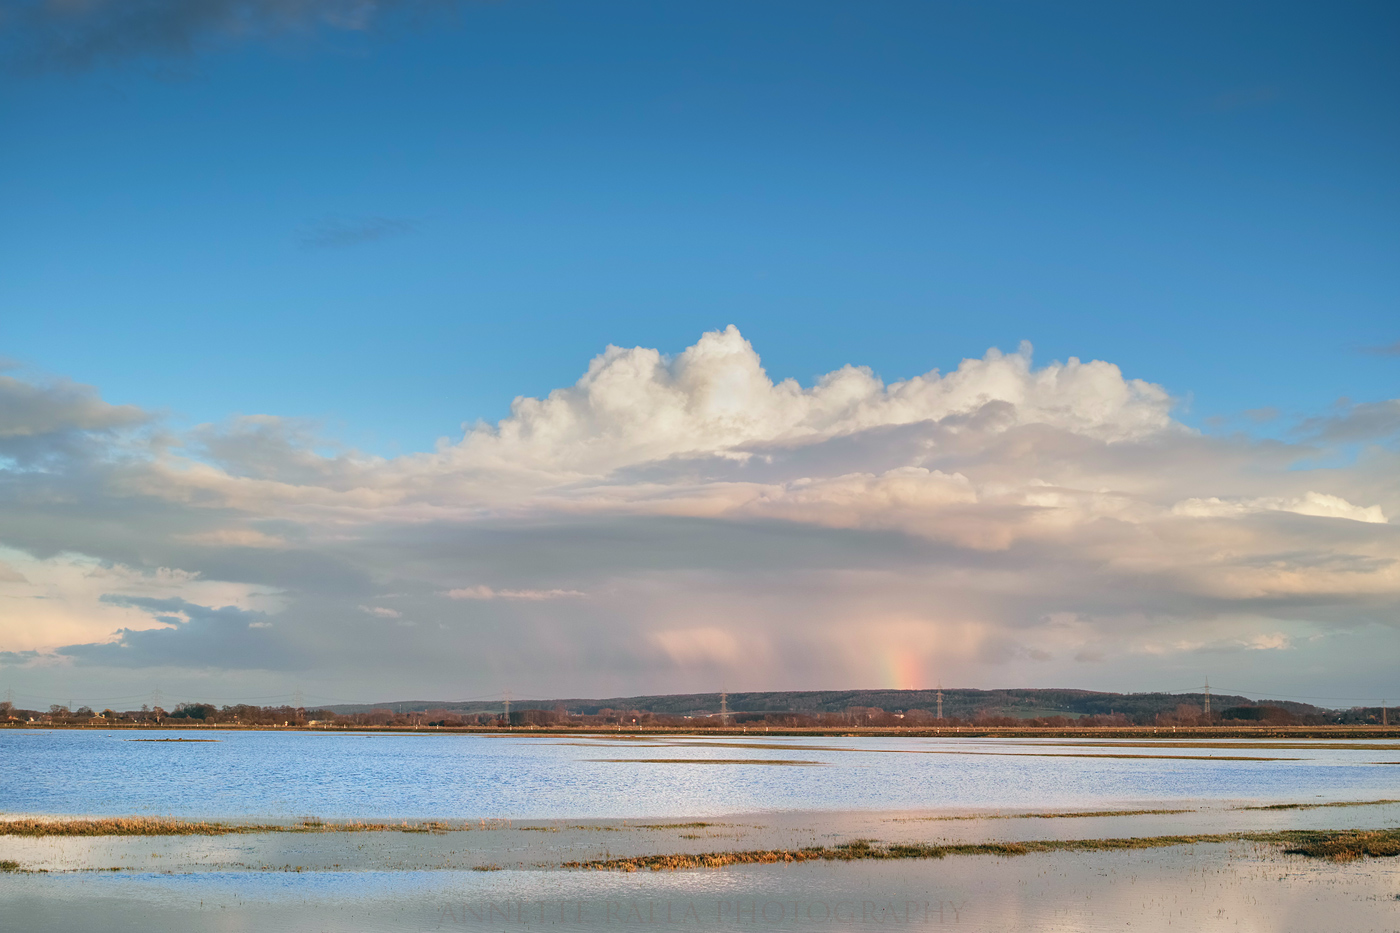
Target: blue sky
(397,229)
(258,258)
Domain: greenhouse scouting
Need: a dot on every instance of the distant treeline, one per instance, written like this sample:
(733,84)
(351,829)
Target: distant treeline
(917,709)
(897,708)
(184,713)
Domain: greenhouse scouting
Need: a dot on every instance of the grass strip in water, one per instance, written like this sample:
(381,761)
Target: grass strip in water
(1349,845)
(1335,845)
(927,751)
(154,826)
(708,761)
(1214,743)
(1316,806)
(1034,816)
(1106,755)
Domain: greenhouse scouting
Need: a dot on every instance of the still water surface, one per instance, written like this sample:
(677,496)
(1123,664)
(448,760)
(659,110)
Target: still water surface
(1162,891)
(358,775)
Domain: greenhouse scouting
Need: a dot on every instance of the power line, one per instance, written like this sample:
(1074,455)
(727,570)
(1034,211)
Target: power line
(1285,696)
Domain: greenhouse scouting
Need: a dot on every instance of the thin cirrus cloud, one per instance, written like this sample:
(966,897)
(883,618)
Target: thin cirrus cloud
(340,232)
(486,592)
(676,522)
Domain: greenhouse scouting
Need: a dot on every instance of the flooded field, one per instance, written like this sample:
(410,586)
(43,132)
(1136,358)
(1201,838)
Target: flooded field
(356,832)
(437,776)
(1207,887)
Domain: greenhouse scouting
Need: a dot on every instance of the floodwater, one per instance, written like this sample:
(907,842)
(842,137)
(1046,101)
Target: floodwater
(1204,887)
(538,800)
(397,775)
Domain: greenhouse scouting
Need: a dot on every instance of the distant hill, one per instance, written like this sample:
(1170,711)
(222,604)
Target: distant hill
(962,704)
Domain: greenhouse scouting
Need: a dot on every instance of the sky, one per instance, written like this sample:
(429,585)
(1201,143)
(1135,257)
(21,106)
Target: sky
(384,350)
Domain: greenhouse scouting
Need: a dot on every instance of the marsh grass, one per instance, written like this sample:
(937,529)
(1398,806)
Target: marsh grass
(8,865)
(1038,816)
(1213,743)
(1350,845)
(1141,744)
(708,761)
(1329,844)
(915,751)
(155,826)
(719,744)
(1109,755)
(1317,806)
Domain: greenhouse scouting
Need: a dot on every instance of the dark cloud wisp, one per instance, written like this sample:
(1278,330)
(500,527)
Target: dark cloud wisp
(338,232)
(75,35)
(1390,349)
(196,636)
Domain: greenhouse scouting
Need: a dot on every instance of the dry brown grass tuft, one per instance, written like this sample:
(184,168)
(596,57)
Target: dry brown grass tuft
(1315,806)
(159,826)
(113,826)
(1053,815)
(793,762)
(1348,845)
(1339,846)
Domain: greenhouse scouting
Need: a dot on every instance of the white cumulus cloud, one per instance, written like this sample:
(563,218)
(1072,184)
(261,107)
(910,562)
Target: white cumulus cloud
(1317,504)
(668,521)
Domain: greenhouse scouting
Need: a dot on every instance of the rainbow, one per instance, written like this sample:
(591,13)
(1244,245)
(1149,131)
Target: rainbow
(902,669)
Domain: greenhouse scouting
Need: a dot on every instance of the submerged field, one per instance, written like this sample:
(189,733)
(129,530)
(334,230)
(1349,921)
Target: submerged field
(609,832)
(383,777)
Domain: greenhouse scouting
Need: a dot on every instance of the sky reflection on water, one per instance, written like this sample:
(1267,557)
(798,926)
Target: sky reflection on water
(356,775)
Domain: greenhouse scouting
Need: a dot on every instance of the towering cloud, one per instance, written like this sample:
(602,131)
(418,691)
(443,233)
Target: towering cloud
(671,522)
